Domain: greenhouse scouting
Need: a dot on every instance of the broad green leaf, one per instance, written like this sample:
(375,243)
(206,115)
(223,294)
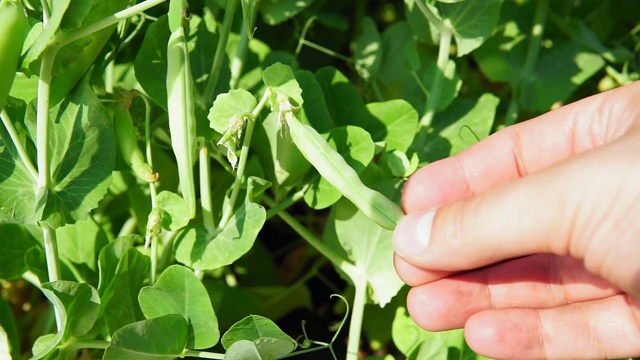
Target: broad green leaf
(275,12)
(343,101)
(45,347)
(235,103)
(472,21)
(370,248)
(109,258)
(10,329)
(202,38)
(179,291)
(258,336)
(314,111)
(175,214)
(81,243)
(120,298)
(14,243)
(24,88)
(81,304)
(17,185)
(461,125)
(280,79)
(81,157)
(356,147)
(162,338)
(368,51)
(424,30)
(396,125)
(151,61)
(198,249)
(36,262)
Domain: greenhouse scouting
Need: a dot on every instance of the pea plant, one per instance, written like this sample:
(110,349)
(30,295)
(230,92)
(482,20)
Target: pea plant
(220,179)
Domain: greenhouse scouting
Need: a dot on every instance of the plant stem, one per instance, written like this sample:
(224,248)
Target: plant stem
(436,85)
(53,265)
(237,63)
(314,241)
(68,37)
(22,153)
(242,162)
(284,204)
(214,74)
(325,50)
(42,117)
(533,49)
(205,188)
(357,315)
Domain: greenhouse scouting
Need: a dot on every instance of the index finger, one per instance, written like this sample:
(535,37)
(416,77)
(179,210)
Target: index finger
(523,149)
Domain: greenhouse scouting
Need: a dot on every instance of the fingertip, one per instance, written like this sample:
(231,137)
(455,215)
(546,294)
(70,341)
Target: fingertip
(414,276)
(434,185)
(412,235)
(503,334)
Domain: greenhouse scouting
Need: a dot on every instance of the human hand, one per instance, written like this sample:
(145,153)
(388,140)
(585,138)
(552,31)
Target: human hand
(535,243)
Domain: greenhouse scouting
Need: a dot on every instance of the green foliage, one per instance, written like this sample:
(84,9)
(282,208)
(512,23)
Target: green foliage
(281,133)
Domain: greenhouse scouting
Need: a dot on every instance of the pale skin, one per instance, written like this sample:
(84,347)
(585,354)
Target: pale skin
(535,244)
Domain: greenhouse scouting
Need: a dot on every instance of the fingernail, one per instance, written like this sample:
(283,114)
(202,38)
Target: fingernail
(413,234)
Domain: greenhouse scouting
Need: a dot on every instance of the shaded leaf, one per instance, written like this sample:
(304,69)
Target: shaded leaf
(149,339)
(175,214)
(14,243)
(472,21)
(275,12)
(81,305)
(198,249)
(281,80)
(179,291)
(258,338)
(368,51)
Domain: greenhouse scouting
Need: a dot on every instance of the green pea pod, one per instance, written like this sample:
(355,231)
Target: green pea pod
(129,145)
(13,32)
(332,166)
(182,124)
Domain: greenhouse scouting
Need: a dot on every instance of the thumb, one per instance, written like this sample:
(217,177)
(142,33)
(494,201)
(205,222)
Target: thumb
(586,207)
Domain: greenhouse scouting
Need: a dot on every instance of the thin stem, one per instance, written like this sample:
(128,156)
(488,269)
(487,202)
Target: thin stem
(22,153)
(68,37)
(326,50)
(284,204)
(90,344)
(303,34)
(205,188)
(436,85)
(46,12)
(428,13)
(202,354)
(357,315)
(53,265)
(533,49)
(42,117)
(242,162)
(154,258)
(314,241)
(237,63)
(214,74)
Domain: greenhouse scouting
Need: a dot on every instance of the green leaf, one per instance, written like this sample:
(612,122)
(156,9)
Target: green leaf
(235,103)
(120,298)
(81,303)
(280,79)
(275,12)
(461,125)
(314,110)
(343,101)
(175,214)
(81,243)
(368,51)
(151,61)
(370,248)
(472,21)
(198,249)
(14,243)
(109,258)
(256,337)
(356,147)
(397,123)
(81,157)
(162,338)
(179,291)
